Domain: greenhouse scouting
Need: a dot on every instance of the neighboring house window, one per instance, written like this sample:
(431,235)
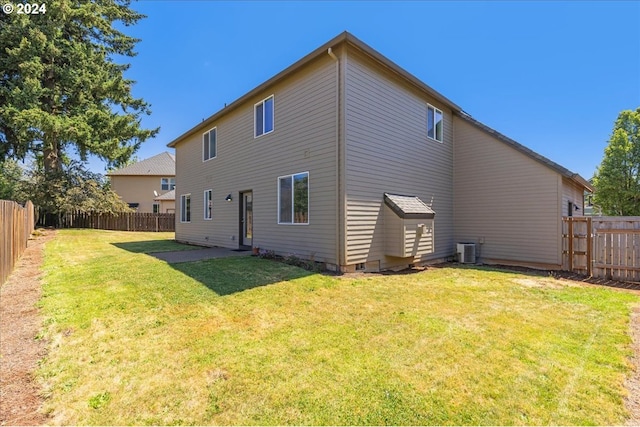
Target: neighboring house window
(156,208)
(208,204)
(434,123)
(263,113)
(167,184)
(293,199)
(134,205)
(209,144)
(185,208)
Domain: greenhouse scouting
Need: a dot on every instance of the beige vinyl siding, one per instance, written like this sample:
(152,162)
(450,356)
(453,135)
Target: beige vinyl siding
(387,150)
(304,139)
(505,199)
(138,189)
(404,237)
(167,206)
(572,192)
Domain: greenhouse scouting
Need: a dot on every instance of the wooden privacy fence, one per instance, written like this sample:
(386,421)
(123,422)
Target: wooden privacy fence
(16,225)
(130,221)
(603,247)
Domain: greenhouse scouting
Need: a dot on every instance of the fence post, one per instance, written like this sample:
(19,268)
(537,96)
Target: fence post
(590,237)
(570,244)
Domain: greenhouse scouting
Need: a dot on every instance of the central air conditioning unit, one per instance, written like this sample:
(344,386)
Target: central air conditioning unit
(466,253)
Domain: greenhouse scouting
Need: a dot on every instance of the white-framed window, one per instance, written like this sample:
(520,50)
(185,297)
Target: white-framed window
(167,184)
(435,123)
(156,208)
(208,204)
(263,117)
(293,199)
(185,208)
(209,144)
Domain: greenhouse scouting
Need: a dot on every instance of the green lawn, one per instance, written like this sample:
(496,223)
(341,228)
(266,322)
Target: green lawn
(134,340)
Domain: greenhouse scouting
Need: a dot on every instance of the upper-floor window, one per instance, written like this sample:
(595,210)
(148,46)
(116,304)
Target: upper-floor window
(293,199)
(434,123)
(208,204)
(185,208)
(167,184)
(263,113)
(209,144)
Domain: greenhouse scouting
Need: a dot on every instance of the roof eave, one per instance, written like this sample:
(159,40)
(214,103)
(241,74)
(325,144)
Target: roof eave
(255,91)
(395,68)
(344,37)
(528,152)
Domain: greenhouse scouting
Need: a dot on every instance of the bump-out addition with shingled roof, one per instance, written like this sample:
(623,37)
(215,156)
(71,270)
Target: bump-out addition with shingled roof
(408,206)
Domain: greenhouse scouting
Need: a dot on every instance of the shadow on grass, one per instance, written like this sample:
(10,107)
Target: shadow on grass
(222,274)
(226,276)
(148,246)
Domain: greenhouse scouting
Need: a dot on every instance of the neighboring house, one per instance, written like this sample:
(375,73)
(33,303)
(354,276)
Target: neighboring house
(346,158)
(141,183)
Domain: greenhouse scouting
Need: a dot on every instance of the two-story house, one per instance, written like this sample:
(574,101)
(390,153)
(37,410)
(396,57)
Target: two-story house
(346,158)
(147,185)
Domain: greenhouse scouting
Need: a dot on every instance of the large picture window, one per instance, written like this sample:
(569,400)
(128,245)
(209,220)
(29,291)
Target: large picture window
(263,113)
(209,144)
(185,208)
(293,199)
(434,123)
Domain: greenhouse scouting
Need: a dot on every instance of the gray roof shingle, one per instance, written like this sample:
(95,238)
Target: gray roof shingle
(408,207)
(169,195)
(163,164)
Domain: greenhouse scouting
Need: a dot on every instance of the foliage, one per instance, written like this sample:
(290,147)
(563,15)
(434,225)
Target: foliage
(10,179)
(62,91)
(71,189)
(293,259)
(617,180)
(249,341)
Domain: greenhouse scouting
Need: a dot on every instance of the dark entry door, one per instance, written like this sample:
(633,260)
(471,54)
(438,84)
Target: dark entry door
(246,218)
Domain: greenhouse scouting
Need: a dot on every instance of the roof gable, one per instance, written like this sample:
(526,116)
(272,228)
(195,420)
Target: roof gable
(352,42)
(163,164)
(343,38)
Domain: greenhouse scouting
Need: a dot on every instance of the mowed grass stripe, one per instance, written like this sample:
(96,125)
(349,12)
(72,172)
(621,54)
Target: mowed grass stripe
(135,340)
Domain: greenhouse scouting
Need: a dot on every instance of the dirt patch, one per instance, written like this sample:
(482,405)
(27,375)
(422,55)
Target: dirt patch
(632,384)
(537,282)
(20,400)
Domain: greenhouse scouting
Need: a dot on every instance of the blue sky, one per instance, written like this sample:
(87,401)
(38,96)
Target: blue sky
(551,75)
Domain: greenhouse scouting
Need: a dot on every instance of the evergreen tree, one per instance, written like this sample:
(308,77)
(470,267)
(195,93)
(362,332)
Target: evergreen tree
(617,180)
(61,90)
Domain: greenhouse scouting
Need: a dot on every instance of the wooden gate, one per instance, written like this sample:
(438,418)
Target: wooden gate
(603,247)
(577,245)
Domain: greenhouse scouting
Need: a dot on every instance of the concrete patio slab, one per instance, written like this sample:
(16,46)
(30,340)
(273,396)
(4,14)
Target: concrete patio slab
(198,254)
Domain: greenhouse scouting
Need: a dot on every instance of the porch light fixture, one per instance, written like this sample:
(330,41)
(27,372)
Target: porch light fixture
(228,198)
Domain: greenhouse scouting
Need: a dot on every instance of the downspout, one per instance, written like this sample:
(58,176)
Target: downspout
(338,221)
